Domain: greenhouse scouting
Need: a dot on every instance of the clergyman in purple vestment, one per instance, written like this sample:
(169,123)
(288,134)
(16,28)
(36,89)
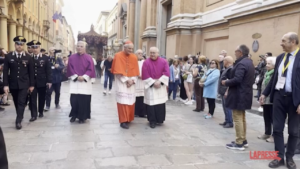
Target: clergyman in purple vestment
(155,74)
(81,71)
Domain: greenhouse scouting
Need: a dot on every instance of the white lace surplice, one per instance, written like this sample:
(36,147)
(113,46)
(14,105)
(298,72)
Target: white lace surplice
(125,95)
(154,96)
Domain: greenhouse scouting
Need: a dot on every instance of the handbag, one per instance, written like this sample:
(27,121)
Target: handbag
(185,76)
(203,79)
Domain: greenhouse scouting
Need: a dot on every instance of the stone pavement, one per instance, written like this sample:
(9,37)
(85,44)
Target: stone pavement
(185,141)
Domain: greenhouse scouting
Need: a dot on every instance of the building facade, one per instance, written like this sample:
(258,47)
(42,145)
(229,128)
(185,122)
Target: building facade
(183,27)
(31,19)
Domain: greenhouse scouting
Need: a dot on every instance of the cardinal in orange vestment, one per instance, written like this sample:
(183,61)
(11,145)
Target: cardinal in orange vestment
(126,70)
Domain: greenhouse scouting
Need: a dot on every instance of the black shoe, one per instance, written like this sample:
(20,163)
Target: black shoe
(72,120)
(228,125)
(81,121)
(18,126)
(32,119)
(276,163)
(297,151)
(144,116)
(290,164)
(41,115)
(222,124)
(152,125)
(196,110)
(234,146)
(245,143)
(57,106)
(124,125)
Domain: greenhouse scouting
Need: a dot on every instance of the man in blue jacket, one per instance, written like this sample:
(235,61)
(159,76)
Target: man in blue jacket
(56,66)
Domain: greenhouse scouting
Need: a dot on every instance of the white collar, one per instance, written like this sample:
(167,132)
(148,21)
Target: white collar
(17,54)
(39,55)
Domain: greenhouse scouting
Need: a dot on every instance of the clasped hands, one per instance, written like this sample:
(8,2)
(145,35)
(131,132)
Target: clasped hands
(80,78)
(129,83)
(157,84)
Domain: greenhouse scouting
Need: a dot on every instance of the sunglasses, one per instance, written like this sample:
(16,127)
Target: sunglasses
(20,43)
(35,46)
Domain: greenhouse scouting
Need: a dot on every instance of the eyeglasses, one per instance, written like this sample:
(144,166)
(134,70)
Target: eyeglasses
(35,46)
(20,43)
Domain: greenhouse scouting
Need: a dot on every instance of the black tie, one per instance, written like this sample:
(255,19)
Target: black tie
(35,57)
(18,56)
(285,64)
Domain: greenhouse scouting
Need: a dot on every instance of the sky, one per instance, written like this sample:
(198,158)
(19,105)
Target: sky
(81,14)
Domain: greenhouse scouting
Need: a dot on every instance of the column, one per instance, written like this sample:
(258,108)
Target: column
(29,35)
(142,20)
(131,25)
(3,32)
(137,24)
(151,13)
(26,34)
(20,30)
(12,34)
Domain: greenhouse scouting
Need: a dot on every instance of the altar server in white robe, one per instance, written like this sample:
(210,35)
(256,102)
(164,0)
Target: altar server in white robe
(140,107)
(155,74)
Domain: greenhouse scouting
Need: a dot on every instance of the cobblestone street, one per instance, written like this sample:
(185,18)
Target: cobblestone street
(185,141)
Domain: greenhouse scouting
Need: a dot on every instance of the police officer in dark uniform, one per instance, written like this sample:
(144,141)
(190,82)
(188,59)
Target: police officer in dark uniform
(18,77)
(43,79)
(29,52)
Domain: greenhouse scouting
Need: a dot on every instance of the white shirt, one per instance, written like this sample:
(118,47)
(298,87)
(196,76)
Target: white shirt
(288,81)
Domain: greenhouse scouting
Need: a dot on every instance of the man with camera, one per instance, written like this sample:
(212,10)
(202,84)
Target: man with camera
(56,66)
(43,80)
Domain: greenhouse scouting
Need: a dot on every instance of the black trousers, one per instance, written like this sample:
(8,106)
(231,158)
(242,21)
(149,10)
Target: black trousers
(268,119)
(211,105)
(3,155)
(56,88)
(81,106)
(37,101)
(282,107)
(200,101)
(19,98)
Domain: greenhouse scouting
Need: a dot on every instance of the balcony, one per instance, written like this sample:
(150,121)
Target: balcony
(59,38)
(46,25)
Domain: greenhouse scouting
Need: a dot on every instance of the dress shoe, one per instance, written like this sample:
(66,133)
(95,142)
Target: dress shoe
(276,163)
(57,106)
(152,125)
(32,119)
(228,126)
(41,115)
(72,119)
(290,164)
(297,151)
(222,124)
(196,110)
(124,125)
(18,126)
(81,121)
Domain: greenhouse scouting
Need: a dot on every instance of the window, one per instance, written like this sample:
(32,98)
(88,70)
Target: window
(169,13)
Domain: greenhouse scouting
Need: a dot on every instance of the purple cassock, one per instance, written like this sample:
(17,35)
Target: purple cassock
(81,92)
(155,68)
(81,65)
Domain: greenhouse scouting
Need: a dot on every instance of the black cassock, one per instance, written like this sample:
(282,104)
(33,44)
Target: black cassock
(140,107)
(81,106)
(156,113)
(3,156)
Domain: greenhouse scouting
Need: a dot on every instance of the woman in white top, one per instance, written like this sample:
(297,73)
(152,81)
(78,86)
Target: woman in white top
(188,80)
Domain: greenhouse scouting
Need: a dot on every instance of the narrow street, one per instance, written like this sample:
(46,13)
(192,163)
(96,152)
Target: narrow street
(185,141)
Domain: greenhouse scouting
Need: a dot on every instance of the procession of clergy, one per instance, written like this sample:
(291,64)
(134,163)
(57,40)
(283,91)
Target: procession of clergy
(141,86)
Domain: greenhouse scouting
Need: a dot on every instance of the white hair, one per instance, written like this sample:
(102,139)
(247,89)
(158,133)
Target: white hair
(82,42)
(51,48)
(224,51)
(155,48)
(272,60)
(139,50)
